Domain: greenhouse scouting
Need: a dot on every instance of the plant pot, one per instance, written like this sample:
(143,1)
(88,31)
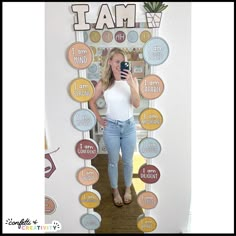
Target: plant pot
(153,19)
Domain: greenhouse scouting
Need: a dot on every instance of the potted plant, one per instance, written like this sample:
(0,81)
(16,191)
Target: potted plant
(154,12)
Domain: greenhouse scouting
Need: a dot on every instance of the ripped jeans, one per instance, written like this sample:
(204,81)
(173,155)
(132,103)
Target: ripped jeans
(120,135)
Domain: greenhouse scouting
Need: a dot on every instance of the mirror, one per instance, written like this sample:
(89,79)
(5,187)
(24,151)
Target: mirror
(131,40)
(65,129)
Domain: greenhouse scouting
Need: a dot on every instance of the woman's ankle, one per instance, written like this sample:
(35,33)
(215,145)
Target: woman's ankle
(127,189)
(115,191)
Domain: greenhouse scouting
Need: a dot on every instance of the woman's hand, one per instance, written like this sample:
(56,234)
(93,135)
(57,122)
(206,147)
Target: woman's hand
(102,122)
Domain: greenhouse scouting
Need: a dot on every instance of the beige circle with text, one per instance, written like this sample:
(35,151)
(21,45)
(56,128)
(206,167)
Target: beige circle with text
(50,205)
(147,200)
(79,55)
(107,36)
(151,87)
(87,176)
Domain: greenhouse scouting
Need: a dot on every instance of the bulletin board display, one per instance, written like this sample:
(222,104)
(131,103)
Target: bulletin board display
(131,40)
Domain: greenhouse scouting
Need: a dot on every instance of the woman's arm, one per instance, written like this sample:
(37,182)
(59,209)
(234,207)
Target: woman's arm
(134,88)
(92,103)
(135,98)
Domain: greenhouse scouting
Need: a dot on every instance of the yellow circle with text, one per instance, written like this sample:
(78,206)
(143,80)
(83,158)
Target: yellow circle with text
(81,90)
(150,119)
(95,36)
(89,199)
(147,224)
(145,36)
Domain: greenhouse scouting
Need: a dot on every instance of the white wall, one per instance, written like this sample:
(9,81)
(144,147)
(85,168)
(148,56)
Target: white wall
(173,188)
(174,161)
(62,186)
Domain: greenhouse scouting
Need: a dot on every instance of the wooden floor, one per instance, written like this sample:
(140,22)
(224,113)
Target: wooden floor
(114,219)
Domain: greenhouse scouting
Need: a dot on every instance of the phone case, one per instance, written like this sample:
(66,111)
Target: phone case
(124,65)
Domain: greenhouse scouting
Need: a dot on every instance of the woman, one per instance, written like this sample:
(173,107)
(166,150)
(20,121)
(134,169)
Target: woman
(121,95)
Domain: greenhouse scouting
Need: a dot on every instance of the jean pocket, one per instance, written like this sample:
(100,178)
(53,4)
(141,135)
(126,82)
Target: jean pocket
(111,125)
(132,123)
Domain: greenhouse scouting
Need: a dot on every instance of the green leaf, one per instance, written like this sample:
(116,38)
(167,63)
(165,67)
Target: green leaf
(147,7)
(162,8)
(154,6)
(151,5)
(158,4)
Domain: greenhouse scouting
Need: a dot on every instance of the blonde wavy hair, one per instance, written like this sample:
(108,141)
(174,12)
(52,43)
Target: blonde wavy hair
(107,76)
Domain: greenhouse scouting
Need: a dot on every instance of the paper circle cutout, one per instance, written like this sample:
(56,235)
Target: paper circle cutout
(93,68)
(107,36)
(150,119)
(81,90)
(146,224)
(95,36)
(50,205)
(132,36)
(91,221)
(149,174)
(79,55)
(145,36)
(87,176)
(151,87)
(155,51)
(149,147)
(83,120)
(147,200)
(86,149)
(120,36)
(89,199)
(92,76)
(101,103)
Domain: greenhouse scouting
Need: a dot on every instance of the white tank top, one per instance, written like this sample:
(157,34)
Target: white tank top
(118,101)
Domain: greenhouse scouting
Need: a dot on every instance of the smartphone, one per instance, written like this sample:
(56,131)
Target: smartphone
(124,65)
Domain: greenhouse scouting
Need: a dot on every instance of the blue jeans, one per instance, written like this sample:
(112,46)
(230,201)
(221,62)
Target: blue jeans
(120,135)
